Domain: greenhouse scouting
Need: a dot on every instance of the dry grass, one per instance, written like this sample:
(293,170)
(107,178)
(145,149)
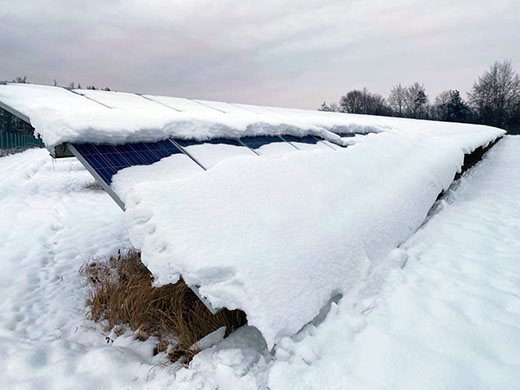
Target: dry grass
(122,293)
(94,186)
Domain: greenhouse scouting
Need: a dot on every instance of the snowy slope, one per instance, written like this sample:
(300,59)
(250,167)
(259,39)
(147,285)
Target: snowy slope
(449,319)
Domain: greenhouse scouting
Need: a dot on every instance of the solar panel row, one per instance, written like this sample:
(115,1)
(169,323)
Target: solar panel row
(104,161)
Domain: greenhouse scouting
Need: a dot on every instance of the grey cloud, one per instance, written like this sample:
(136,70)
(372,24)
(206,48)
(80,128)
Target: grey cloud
(292,53)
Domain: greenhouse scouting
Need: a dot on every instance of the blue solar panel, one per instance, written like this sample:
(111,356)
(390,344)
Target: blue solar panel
(308,139)
(188,142)
(257,142)
(106,160)
(348,133)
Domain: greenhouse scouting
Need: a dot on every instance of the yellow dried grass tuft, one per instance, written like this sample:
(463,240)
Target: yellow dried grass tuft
(122,293)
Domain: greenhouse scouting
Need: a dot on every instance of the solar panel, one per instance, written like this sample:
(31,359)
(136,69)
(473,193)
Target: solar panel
(189,142)
(308,139)
(345,132)
(107,160)
(104,161)
(267,145)
(306,143)
(328,143)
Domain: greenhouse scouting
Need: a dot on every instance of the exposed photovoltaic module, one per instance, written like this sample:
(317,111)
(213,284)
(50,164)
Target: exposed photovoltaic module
(107,160)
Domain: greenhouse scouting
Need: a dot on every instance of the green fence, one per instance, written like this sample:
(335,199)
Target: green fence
(11,140)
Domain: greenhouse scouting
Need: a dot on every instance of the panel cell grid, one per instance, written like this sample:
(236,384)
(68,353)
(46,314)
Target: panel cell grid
(259,141)
(188,142)
(107,160)
(308,139)
(307,142)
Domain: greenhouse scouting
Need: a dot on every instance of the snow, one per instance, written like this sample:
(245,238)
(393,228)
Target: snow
(275,149)
(447,318)
(60,115)
(82,116)
(177,166)
(279,237)
(183,105)
(318,145)
(211,154)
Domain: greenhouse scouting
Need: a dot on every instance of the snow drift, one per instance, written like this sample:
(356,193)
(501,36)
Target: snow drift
(277,237)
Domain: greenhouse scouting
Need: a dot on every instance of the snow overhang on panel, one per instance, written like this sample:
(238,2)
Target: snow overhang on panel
(62,115)
(276,232)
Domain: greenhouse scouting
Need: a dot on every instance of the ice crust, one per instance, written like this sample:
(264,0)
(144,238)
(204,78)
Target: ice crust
(276,236)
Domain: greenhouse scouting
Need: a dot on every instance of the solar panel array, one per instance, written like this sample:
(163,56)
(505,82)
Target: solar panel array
(104,161)
(107,160)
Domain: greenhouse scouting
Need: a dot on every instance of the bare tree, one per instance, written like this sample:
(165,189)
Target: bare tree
(352,102)
(496,94)
(363,102)
(450,107)
(397,98)
(416,101)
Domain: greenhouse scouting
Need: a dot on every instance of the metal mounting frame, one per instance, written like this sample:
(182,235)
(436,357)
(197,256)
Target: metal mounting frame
(157,102)
(186,153)
(16,113)
(98,178)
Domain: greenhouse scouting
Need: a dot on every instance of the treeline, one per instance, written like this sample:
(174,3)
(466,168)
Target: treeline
(494,100)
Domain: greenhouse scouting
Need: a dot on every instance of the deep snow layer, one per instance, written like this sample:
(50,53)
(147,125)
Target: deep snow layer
(279,237)
(60,115)
(448,320)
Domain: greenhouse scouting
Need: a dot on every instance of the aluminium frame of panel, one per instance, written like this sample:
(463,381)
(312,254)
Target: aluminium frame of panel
(98,178)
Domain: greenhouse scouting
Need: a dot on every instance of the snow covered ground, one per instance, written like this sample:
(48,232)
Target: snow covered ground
(449,319)
(276,237)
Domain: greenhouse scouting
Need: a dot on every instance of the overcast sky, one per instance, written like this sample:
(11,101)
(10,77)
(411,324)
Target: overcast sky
(294,53)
